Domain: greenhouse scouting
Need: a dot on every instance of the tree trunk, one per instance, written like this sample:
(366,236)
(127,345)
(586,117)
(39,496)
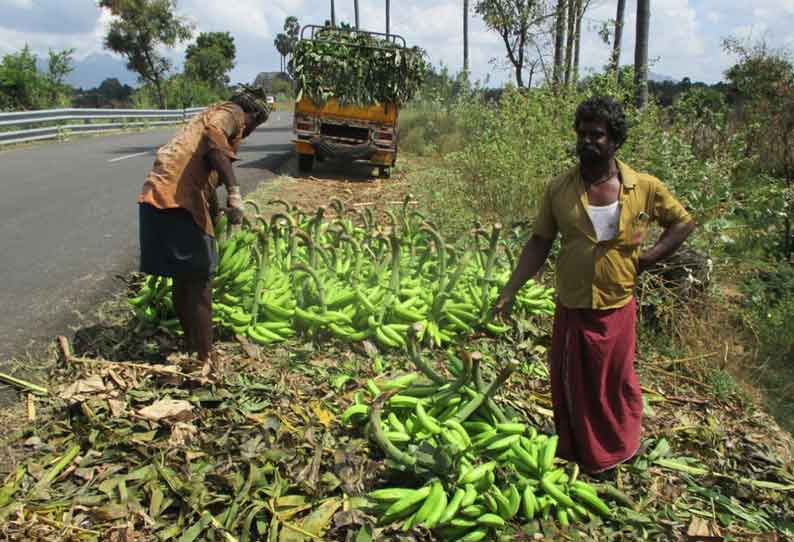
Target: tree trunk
(619,18)
(355,8)
(577,41)
(569,42)
(158,84)
(333,14)
(466,37)
(641,52)
(388,17)
(559,43)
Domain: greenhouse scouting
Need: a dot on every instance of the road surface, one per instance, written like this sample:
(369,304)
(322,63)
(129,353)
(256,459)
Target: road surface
(70,224)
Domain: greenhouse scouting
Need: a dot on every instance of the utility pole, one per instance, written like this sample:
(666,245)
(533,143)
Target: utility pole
(355,7)
(641,52)
(388,15)
(466,37)
(333,14)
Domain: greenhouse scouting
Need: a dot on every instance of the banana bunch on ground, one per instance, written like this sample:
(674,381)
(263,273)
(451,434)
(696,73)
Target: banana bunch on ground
(476,470)
(352,278)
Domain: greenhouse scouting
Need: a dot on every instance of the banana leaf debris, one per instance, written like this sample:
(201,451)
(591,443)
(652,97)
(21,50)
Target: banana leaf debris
(357,68)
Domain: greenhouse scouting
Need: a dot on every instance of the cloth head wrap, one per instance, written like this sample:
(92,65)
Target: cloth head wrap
(253,100)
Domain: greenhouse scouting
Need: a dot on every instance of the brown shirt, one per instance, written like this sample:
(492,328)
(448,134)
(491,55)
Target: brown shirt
(181,175)
(593,274)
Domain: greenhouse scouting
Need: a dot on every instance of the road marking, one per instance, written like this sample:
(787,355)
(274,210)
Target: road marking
(120,158)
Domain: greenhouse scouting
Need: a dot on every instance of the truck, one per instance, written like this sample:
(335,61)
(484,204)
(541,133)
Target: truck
(329,122)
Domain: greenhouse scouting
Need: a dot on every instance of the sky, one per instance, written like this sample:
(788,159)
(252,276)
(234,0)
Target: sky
(684,41)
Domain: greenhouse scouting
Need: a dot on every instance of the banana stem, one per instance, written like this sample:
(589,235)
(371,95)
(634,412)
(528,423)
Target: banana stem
(416,357)
(317,282)
(490,404)
(379,436)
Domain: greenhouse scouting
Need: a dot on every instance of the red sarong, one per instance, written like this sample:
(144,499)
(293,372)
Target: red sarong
(596,394)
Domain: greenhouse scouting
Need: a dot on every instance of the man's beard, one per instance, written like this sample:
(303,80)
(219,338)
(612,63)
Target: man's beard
(589,156)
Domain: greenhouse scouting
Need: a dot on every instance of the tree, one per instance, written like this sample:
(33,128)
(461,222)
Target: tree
(514,21)
(569,38)
(641,52)
(292,29)
(577,40)
(282,46)
(763,82)
(21,85)
(616,45)
(559,41)
(211,58)
(138,29)
(59,65)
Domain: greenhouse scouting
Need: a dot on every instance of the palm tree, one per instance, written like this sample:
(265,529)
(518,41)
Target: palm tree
(641,52)
(282,43)
(619,18)
(466,37)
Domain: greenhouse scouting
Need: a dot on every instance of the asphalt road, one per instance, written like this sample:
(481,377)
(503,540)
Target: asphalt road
(69,224)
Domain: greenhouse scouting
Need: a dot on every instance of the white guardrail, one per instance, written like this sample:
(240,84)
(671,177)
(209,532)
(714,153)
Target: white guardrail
(83,121)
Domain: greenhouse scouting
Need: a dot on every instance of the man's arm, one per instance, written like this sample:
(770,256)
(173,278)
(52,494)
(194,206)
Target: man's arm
(532,258)
(221,163)
(670,240)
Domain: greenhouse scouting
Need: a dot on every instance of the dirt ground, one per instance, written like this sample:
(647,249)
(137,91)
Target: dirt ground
(355,185)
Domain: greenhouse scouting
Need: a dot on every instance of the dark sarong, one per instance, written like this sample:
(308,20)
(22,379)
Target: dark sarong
(173,244)
(596,394)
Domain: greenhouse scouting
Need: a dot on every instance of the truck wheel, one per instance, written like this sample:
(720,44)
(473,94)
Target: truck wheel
(305,162)
(384,172)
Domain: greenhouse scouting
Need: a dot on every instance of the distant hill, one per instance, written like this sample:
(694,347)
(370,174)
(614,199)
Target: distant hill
(92,70)
(659,78)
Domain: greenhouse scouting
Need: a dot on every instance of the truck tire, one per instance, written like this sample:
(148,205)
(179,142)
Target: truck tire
(305,162)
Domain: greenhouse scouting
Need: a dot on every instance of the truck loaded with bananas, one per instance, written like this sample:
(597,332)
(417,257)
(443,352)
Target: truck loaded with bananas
(473,469)
(349,277)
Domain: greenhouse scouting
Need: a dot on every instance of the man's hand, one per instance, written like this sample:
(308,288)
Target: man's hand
(234,204)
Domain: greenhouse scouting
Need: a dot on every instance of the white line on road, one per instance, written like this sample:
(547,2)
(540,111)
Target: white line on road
(120,158)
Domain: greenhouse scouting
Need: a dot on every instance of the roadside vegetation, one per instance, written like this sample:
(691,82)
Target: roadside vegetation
(724,150)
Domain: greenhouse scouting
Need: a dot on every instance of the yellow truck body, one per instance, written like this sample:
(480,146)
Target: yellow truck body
(359,133)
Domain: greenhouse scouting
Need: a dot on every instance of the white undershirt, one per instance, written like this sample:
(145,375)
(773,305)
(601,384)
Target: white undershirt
(605,220)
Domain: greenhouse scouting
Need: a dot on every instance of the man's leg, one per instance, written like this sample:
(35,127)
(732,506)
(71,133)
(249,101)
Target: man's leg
(201,297)
(181,290)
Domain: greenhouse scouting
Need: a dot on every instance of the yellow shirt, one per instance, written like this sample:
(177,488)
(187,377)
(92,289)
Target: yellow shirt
(181,175)
(602,275)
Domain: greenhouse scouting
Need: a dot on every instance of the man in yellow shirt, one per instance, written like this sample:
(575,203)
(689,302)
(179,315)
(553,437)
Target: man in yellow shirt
(176,208)
(601,209)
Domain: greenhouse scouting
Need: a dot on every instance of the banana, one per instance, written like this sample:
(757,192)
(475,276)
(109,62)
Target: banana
(390,494)
(556,493)
(431,425)
(546,461)
(475,474)
(405,505)
(530,503)
(453,506)
(491,520)
(354,410)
